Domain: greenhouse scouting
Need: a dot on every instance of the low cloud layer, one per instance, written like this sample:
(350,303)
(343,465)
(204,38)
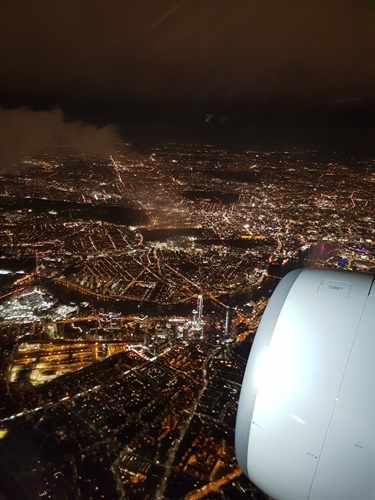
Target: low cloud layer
(25,132)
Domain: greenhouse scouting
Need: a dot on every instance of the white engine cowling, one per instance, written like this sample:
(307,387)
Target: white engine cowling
(306,414)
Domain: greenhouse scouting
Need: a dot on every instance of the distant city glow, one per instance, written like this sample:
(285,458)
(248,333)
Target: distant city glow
(130,292)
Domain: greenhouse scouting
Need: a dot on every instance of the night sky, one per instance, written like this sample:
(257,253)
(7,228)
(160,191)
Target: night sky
(131,66)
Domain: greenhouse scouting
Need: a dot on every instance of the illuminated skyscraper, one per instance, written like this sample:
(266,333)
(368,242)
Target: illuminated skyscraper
(228,321)
(194,316)
(200,307)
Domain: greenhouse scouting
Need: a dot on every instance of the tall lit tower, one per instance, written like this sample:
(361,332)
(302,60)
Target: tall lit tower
(36,272)
(194,316)
(200,307)
(228,321)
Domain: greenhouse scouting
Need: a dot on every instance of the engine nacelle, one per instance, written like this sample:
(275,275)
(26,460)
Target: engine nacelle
(306,414)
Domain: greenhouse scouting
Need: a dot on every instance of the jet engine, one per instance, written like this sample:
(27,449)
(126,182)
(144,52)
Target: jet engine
(306,413)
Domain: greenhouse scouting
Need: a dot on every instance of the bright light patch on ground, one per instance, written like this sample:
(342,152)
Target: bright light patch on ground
(3,433)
